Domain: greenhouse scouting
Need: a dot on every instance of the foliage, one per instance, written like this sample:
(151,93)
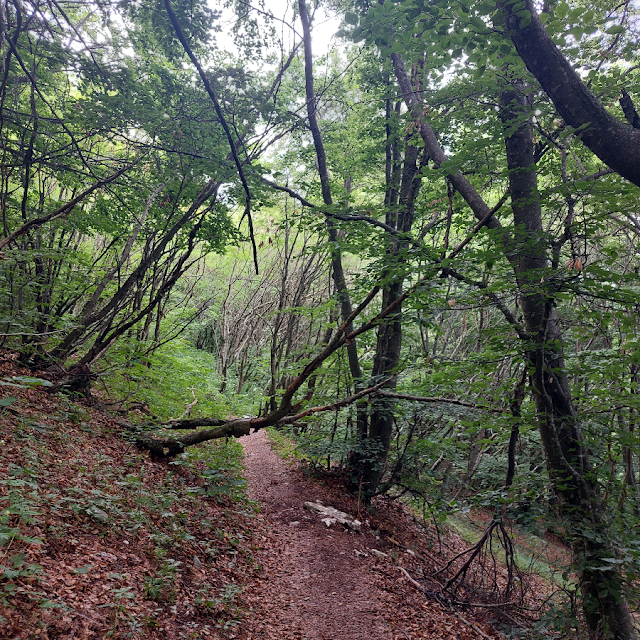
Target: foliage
(167,381)
(132,284)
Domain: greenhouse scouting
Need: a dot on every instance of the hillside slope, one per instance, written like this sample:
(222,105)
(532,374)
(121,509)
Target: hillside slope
(98,540)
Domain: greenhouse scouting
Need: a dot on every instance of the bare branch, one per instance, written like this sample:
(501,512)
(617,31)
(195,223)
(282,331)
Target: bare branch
(506,312)
(479,226)
(223,122)
(337,216)
(291,192)
(438,400)
(336,405)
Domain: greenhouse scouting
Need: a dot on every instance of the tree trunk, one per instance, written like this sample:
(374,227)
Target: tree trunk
(616,143)
(389,340)
(337,270)
(581,505)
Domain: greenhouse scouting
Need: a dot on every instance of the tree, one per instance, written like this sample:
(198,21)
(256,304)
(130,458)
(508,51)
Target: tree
(616,143)
(537,285)
(560,426)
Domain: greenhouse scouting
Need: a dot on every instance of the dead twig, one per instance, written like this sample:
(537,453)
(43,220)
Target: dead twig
(473,625)
(417,585)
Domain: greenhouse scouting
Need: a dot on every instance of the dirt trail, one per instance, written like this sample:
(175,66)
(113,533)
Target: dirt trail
(314,586)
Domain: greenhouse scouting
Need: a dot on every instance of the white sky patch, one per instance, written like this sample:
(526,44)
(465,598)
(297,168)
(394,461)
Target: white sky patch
(325,26)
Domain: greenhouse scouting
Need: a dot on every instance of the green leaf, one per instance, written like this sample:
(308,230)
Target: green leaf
(84,569)
(480,71)
(351,18)
(615,30)
(485,8)
(10,574)
(33,381)
(525,18)
(5,402)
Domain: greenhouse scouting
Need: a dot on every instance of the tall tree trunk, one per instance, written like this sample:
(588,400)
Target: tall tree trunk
(581,504)
(337,269)
(400,216)
(616,143)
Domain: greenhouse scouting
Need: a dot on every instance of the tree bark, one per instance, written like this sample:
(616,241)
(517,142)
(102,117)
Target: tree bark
(604,604)
(582,508)
(337,269)
(389,339)
(616,143)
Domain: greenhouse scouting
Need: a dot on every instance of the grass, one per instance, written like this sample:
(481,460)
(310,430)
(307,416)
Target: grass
(168,380)
(283,445)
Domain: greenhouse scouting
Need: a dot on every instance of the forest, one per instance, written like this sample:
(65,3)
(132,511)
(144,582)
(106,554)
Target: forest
(413,252)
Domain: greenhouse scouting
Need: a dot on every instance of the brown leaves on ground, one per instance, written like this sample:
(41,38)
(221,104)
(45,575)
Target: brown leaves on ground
(97,540)
(321,583)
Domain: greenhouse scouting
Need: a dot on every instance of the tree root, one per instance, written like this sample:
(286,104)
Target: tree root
(78,379)
(480,571)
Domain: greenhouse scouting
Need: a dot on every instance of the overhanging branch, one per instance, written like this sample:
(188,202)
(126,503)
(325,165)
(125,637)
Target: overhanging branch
(223,123)
(438,400)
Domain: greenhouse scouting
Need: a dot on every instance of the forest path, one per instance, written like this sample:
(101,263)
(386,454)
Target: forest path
(313,585)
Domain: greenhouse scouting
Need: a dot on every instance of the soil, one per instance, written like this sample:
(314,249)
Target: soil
(287,575)
(313,584)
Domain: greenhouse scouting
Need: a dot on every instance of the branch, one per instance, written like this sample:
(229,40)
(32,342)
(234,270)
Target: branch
(475,201)
(592,176)
(291,192)
(338,216)
(169,447)
(65,209)
(629,109)
(479,226)
(616,143)
(336,405)
(461,403)
(338,340)
(321,156)
(223,122)
(236,428)
(14,48)
(188,423)
(368,219)
(506,312)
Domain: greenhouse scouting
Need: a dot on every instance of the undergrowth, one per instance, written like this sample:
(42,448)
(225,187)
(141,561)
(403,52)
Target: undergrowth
(170,379)
(283,444)
(97,539)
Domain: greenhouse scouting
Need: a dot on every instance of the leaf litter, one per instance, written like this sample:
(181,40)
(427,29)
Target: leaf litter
(321,583)
(98,540)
